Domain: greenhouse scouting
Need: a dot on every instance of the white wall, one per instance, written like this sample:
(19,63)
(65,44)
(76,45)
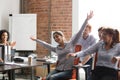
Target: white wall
(75,19)
(104,14)
(7,7)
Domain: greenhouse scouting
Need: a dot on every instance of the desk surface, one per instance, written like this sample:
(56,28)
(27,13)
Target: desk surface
(13,66)
(8,67)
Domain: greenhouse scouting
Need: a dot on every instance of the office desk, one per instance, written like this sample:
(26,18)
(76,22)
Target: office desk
(48,65)
(7,67)
(45,62)
(34,64)
(11,67)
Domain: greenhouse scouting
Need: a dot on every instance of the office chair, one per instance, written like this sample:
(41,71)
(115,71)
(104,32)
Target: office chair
(76,67)
(76,61)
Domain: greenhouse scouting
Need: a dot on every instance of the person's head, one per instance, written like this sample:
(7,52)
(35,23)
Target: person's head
(87,30)
(59,37)
(100,32)
(110,35)
(4,35)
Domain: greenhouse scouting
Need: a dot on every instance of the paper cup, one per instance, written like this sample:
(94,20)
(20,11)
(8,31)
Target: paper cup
(29,60)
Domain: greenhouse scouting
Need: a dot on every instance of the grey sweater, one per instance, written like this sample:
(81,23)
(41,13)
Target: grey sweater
(63,63)
(104,56)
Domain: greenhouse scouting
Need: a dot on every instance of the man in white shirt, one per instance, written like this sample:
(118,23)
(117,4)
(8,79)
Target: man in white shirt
(86,40)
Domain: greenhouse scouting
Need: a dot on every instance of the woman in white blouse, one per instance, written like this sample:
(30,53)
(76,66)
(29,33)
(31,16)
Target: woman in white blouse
(4,40)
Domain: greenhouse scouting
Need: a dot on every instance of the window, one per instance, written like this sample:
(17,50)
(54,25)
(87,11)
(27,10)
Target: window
(106,13)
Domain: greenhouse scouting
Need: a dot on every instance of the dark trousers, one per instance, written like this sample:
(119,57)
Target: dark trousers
(104,73)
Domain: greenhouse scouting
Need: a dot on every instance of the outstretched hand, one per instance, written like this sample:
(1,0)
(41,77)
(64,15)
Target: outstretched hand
(90,15)
(12,44)
(32,38)
(70,55)
(115,59)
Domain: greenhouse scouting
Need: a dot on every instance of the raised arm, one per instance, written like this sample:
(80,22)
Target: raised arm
(44,44)
(79,34)
(12,44)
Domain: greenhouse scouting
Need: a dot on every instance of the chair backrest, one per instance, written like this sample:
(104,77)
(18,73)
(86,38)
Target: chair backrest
(76,61)
(94,60)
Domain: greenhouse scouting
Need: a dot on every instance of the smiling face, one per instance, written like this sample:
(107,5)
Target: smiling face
(4,37)
(58,37)
(87,31)
(107,36)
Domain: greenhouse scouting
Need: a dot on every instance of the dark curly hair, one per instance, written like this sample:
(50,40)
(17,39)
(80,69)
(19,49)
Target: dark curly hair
(1,32)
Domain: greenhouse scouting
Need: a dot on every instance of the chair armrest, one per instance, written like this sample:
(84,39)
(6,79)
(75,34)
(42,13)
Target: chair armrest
(79,66)
(85,67)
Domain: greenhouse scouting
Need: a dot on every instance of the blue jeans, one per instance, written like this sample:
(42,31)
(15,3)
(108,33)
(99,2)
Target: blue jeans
(59,75)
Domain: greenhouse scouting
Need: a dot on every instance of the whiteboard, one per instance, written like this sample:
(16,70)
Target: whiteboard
(21,27)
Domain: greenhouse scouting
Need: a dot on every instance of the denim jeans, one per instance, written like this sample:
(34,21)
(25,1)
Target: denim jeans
(59,75)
